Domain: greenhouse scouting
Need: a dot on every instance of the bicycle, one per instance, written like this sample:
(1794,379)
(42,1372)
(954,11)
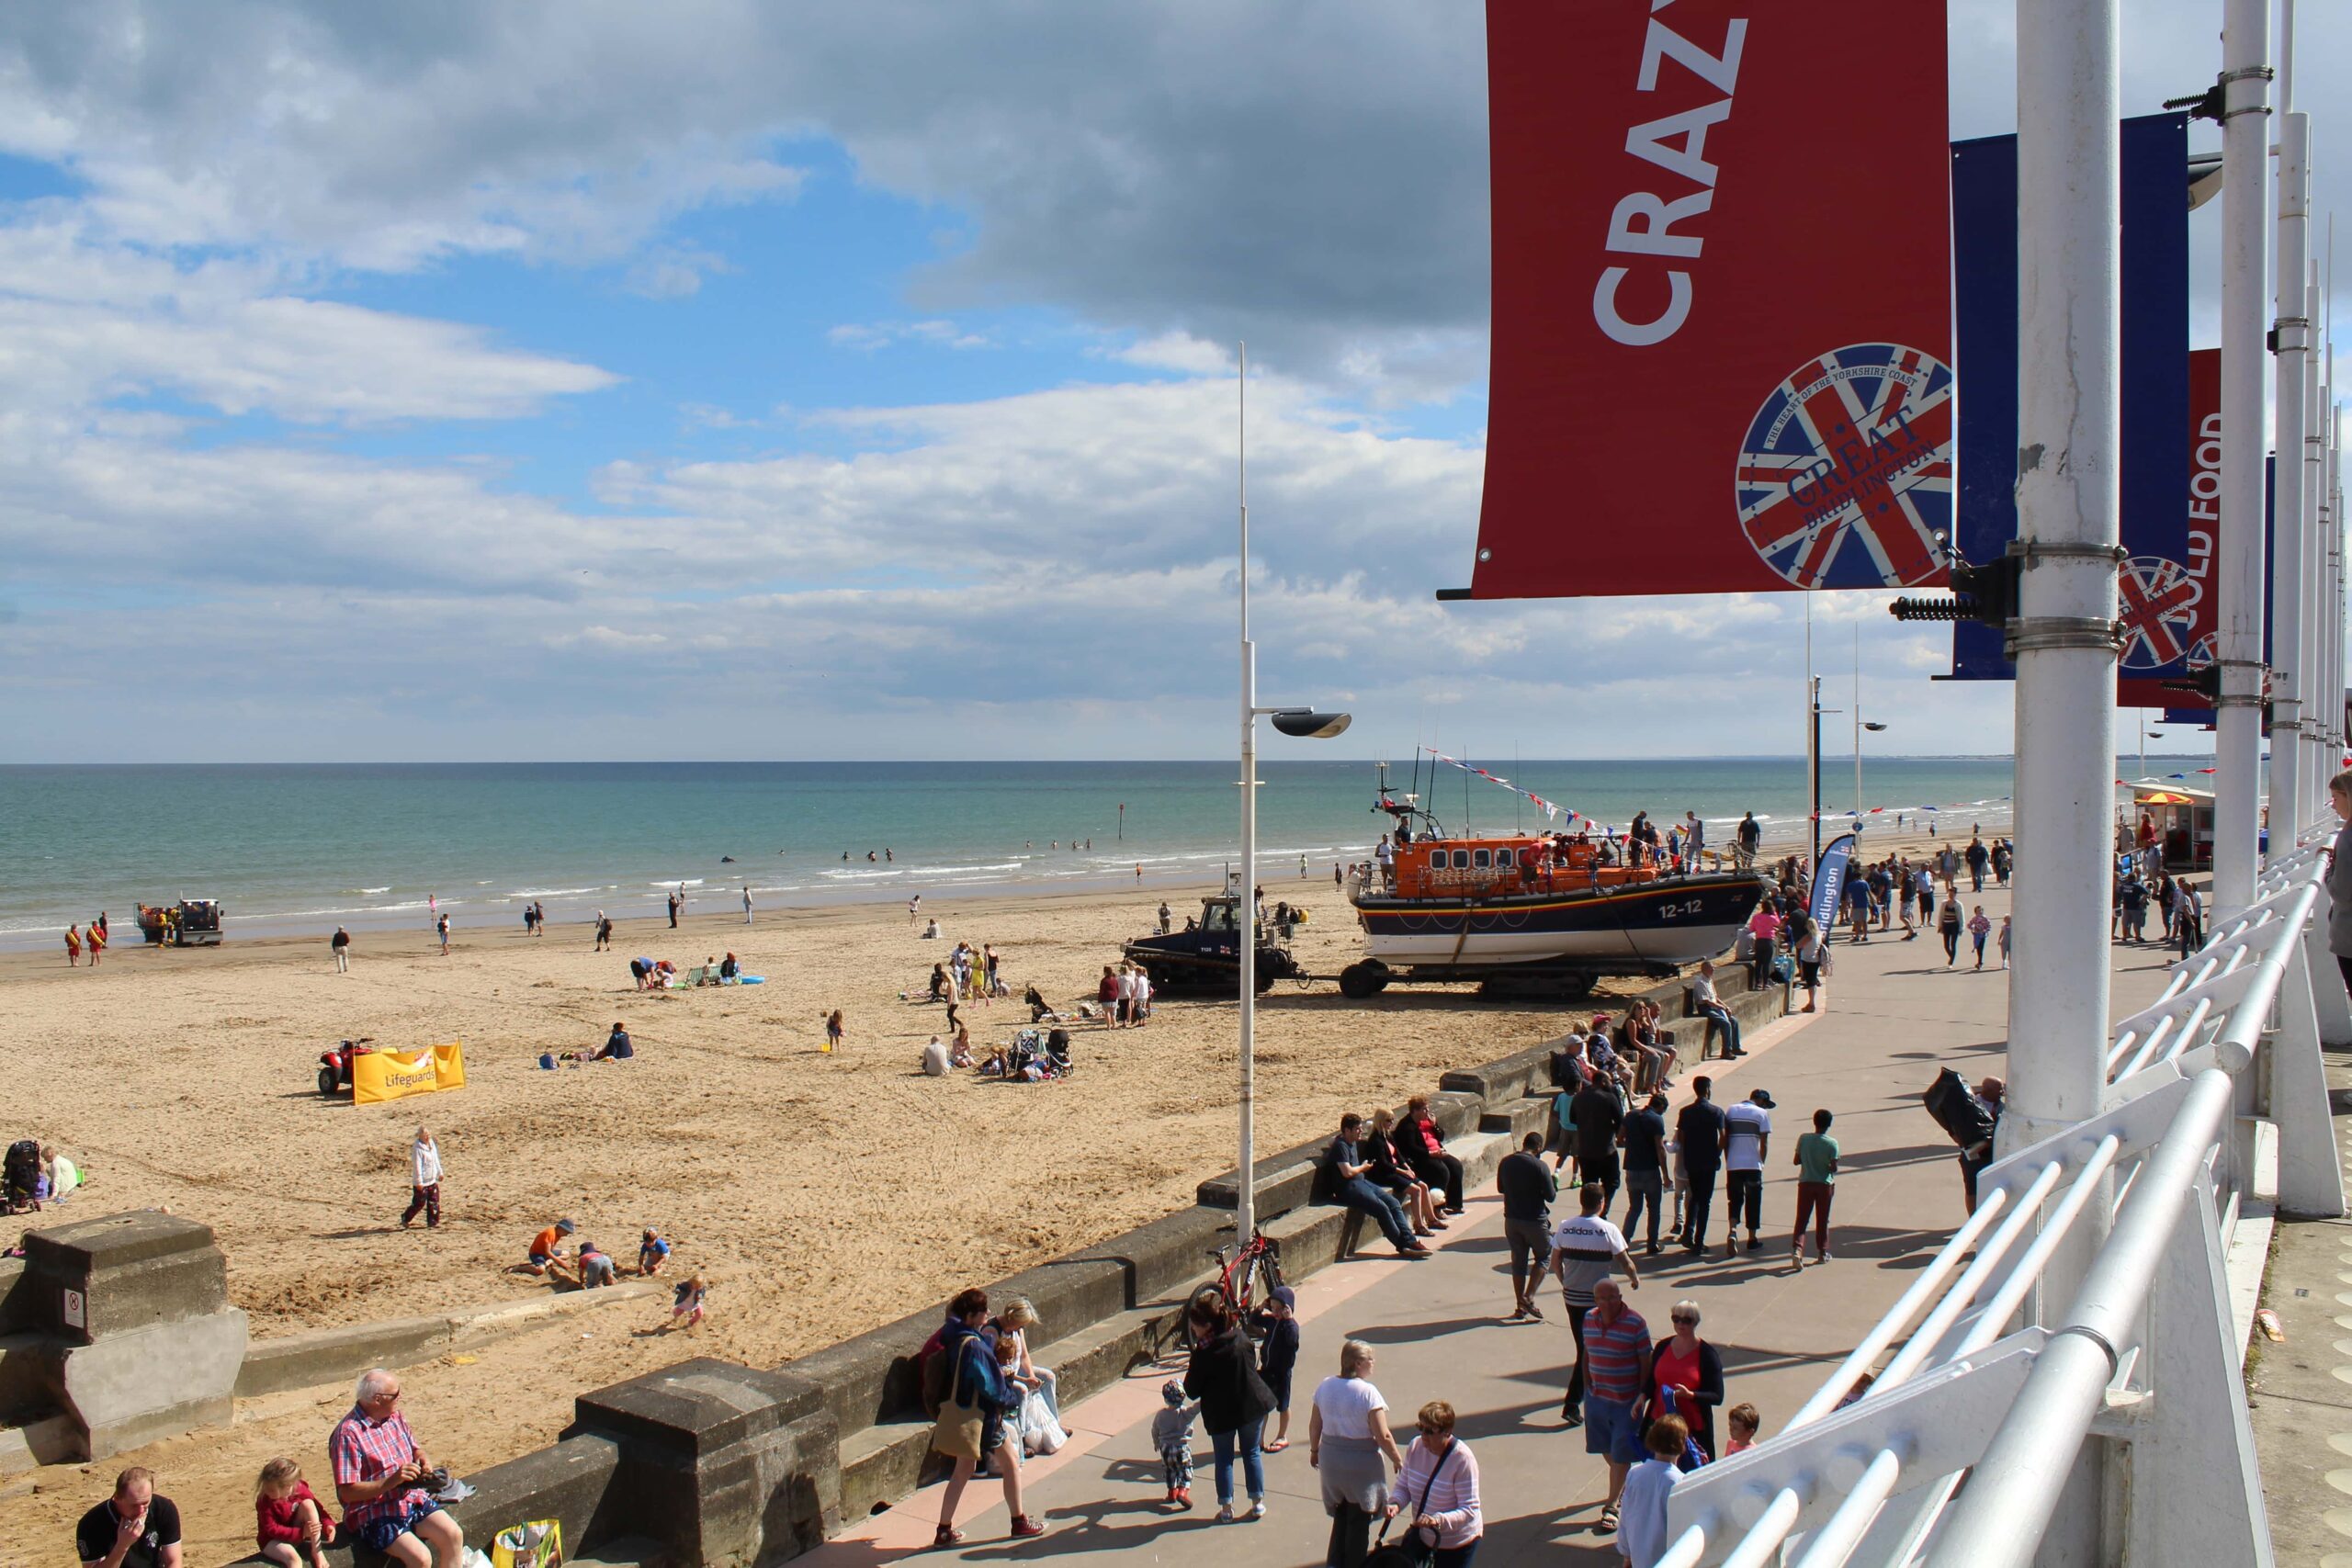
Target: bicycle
(1237,1285)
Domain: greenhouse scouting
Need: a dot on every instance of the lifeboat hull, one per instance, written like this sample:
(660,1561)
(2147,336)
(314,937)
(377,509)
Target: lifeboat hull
(1628,929)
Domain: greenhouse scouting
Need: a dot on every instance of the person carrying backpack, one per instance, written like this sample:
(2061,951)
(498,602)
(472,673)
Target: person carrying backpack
(969,1416)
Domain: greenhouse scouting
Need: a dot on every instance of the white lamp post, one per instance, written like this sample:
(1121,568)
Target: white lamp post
(1290,721)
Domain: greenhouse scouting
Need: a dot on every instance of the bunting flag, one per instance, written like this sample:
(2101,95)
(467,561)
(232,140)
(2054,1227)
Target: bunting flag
(1550,810)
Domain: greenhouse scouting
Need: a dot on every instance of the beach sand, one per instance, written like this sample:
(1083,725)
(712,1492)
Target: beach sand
(822,1195)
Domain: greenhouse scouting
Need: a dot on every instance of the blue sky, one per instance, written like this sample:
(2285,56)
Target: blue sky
(765,381)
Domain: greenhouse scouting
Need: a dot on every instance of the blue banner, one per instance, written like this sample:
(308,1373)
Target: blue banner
(2159,593)
(1829,881)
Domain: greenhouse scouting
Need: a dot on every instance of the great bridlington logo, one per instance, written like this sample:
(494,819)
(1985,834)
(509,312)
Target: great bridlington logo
(2157,600)
(1845,474)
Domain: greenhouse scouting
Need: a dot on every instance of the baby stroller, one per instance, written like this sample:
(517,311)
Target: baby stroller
(21,1176)
(1037,1058)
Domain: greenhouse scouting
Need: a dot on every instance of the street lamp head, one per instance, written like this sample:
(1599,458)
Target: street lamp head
(1307,724)
(1868,724)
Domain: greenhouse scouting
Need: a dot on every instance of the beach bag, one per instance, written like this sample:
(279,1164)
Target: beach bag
(1416,1550)
(538,1544)
(1692,1456)
(956,1431)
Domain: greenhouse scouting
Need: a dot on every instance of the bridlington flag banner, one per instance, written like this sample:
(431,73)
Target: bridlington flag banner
(2164,585)
(1722,341)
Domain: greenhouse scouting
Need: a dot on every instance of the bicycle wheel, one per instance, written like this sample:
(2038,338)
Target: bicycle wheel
(1269,1264)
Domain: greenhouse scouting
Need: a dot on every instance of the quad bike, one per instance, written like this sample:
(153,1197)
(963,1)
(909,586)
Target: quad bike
(334,1065)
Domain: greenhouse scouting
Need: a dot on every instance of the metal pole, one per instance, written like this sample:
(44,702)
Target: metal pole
(2291,577)
(1812,745)
(2069,433)
(1857,730)
(1812,740)
(1245,1210)
(2245,77)
(2310,415)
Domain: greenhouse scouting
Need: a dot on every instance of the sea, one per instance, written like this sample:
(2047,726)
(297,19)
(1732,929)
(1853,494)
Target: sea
(299,848)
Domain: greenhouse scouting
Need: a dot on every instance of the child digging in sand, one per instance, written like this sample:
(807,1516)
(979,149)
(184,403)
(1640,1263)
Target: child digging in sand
(289,1525)
(685,1303)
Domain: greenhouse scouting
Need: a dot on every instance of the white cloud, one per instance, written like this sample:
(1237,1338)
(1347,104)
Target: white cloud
(868,336)
(82,323)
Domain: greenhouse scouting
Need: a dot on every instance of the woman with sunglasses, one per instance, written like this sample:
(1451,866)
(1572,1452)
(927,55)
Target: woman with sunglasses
(1440,1479)
(1688,1366)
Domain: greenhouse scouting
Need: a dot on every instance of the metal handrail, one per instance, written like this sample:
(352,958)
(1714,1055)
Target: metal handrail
(2190,1044)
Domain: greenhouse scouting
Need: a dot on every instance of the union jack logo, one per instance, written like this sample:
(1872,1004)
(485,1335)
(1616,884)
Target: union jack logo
(1845,476)
(2159,603)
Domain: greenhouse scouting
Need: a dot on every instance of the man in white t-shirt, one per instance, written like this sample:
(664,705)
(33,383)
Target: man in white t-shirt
(1747,1133)
(1584,1249)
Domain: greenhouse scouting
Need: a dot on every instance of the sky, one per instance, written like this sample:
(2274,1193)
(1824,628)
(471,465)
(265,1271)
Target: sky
(762,381)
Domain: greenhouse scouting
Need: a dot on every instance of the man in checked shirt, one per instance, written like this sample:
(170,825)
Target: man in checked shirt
(381,1479)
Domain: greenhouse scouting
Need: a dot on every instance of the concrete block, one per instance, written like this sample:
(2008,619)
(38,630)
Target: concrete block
(1312,1238)
(53,1439)
(15,1299)
(722,1463)
(1286,1180)
(1162,1256)
(122,1271)
(1069,1294)
(332,1355)
(32,1377)
(886,1462)
(1514,1119)
(872,1377)
(1509,1077)
(569,1480)
(133,1387)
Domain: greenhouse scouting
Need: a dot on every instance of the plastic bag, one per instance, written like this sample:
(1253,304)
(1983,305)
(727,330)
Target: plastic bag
(1040,1433)
(538,1544)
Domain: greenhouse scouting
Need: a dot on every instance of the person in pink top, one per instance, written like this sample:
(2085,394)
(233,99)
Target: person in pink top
(1765,927)
(1440,1480)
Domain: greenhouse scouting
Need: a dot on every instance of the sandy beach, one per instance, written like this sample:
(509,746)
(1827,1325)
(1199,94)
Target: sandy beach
(824,1195)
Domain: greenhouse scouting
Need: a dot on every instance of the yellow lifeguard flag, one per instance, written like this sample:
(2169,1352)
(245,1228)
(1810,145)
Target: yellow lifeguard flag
(379,1076)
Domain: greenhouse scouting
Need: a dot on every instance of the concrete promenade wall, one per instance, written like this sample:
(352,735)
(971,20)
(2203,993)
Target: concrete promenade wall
(710,1462)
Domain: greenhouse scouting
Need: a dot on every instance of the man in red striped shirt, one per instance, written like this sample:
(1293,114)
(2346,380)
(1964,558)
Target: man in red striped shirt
(381,1478)
(1616,1356)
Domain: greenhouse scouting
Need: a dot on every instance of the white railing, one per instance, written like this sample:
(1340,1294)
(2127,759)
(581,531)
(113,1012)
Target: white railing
(2216,1106)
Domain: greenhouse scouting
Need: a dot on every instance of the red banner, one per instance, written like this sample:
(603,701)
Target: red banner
(1722,297)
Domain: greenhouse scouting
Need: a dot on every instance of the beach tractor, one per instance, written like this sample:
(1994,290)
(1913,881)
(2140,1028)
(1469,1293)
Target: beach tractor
(191,922)
(1204,958)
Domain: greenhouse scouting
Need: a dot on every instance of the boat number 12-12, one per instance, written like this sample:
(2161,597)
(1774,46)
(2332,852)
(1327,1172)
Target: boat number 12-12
(1676,911)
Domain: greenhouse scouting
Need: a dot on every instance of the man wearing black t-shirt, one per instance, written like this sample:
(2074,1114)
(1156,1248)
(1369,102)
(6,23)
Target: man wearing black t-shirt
(1597,1114)
(1527,1190)
(1645,1140)
(134,1528)
(1699,1133)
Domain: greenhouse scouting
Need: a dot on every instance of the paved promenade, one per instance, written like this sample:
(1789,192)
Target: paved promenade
(1898,1016)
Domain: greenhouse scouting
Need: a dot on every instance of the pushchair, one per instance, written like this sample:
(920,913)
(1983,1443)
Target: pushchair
(21,1176)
